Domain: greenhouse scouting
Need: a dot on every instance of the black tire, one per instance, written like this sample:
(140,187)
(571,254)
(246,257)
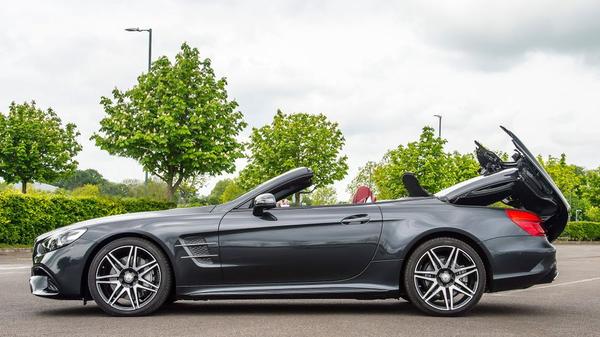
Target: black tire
(441,284)
(143,274)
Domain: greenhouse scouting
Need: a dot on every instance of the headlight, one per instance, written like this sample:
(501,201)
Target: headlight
(59,240)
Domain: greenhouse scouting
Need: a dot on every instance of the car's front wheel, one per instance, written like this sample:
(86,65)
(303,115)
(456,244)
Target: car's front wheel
(129,277)
(444,277)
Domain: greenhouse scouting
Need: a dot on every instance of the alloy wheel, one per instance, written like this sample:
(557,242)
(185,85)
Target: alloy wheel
(446,278)
(128,277)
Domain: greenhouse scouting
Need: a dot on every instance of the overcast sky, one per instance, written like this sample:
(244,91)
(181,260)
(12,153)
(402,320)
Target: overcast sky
(381,70)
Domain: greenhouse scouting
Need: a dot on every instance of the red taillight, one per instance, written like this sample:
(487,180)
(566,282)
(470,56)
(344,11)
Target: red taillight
(529,222)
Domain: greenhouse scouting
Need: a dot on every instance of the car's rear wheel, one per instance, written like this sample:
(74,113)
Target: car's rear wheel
(130,277)
(444,277)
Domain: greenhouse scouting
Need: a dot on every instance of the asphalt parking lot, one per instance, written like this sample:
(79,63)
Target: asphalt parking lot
(568,307)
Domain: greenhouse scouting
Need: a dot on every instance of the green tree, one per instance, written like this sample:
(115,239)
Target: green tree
(590,188)
(114,189)
(86,190)
(35,146)
(567,177)
(231,191)
(325,195)
(593,213)
(570,179)
(188,192)
(177,121)
(5,187)
(214,197)
(295,140)
(364,177)
(79,178)
(154,189)
(426,158)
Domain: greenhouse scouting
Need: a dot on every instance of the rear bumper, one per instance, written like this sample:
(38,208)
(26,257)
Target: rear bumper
(521,262)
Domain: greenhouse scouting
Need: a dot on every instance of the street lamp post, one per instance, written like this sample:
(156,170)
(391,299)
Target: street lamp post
(439,125)
(149,30)
(577,211)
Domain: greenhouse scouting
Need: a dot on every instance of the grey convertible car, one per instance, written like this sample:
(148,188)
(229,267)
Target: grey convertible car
(440,252)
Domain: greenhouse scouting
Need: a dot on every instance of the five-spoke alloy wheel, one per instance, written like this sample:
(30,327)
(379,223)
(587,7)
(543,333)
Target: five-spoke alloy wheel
(129,276)
(444,276)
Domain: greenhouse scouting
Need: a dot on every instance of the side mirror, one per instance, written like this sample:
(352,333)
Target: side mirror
(262,202)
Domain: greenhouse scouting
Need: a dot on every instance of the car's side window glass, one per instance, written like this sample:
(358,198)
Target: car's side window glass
(309,197)
(301,193)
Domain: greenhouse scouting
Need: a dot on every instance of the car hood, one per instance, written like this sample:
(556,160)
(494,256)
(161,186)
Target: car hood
(131,218)
(522,183)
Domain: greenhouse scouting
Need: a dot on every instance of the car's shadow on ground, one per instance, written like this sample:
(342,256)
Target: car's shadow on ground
(303,308)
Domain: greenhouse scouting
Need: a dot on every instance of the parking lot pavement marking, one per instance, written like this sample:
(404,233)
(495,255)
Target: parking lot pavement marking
(508,293)
(13,267)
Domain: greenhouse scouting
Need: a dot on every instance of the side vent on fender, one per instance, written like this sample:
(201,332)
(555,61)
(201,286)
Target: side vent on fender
(198,249)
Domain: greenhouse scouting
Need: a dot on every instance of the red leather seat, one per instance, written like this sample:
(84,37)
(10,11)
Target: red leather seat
(363,195)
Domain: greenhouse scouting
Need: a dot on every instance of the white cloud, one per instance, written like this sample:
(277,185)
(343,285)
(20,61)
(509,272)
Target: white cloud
(380,70)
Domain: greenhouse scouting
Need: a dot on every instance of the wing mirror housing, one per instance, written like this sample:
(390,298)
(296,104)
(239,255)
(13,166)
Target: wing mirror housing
(263,202)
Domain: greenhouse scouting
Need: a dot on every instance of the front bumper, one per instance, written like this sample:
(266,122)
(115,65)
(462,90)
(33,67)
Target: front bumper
(60,273)
(42,286)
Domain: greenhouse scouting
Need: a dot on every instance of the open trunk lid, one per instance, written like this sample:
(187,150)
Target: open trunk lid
(522,183)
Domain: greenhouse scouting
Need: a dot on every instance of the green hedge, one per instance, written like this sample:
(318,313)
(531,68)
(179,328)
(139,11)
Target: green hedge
(582,231)
(24,217)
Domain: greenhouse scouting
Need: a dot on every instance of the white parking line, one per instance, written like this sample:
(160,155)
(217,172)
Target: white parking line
(507,293)
(12,272)
(13,267)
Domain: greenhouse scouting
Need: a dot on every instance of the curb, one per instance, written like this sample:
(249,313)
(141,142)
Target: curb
(565,242)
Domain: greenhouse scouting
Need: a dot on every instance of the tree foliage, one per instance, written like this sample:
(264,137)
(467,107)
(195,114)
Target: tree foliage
(231,191)
(177,121)
(214,197)
(364,177)
(567,177)
(593,213)
(571,180)
(590,189)
(426,158)
(294,140)
(86,190)
(324,195)
(35,146)
(153,189)
(79,178)
(110,188)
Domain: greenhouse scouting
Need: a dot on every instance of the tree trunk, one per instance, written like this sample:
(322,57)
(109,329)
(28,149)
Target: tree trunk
(24,186)
(171,192)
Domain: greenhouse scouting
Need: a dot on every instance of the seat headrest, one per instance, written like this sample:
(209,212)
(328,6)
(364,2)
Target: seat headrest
(414,189)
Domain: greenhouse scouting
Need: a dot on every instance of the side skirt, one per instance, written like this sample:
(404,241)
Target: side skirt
(379,280)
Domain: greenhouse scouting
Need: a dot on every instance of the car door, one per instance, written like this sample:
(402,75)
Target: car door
(306,244)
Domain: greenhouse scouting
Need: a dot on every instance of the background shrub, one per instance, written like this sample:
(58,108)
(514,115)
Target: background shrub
(25,216)
(582,230)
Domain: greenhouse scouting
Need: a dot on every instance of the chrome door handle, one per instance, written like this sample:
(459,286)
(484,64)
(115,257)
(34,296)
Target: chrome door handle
(359,218)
